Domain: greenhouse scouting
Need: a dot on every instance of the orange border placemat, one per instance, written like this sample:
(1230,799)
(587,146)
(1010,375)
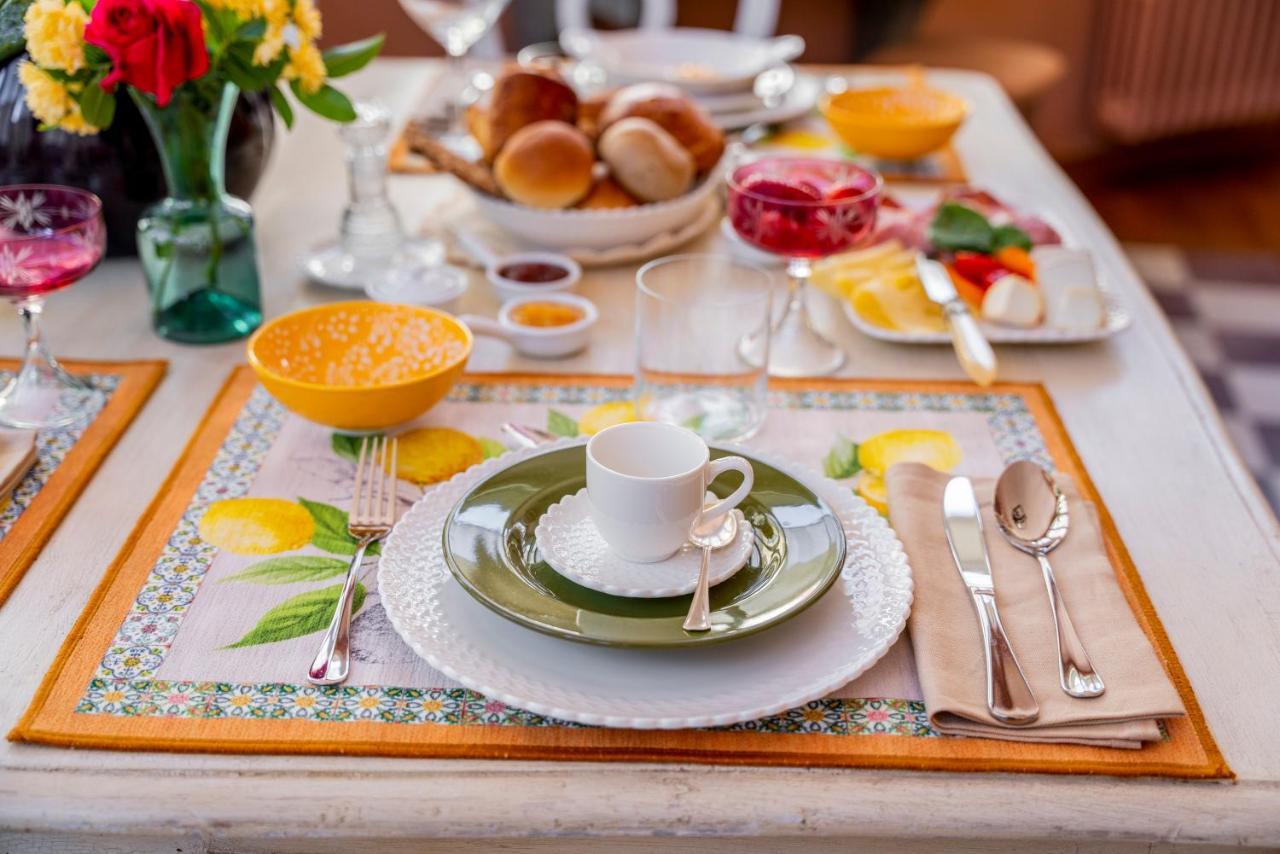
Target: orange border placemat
(1189,751)
(33,528)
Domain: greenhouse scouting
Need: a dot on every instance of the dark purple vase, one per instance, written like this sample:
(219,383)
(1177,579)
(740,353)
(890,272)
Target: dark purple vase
(120,164)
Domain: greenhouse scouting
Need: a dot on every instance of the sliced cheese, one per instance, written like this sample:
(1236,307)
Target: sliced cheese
(1013,301)
(1069,284)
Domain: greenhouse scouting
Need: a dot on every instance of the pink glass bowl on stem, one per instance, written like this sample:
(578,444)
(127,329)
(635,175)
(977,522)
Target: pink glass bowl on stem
(50,238)
(803,209)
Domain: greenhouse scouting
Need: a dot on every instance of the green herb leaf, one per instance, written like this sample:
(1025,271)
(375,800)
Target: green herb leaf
(347,446)
(328,102)
(560,424)
(956,227)
(491,447)
(345,59)
(288,570)
(281,104)
(842,460)
(301,615)
(1010,235)
(98,107)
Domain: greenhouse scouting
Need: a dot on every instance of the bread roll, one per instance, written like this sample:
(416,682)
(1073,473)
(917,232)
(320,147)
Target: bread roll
(646,160)
(521,98)
(607,194)
(545,165)
(675,113)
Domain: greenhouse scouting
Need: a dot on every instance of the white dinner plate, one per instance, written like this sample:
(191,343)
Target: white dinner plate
(809,656)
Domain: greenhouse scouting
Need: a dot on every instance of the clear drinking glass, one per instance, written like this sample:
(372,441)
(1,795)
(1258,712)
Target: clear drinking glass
(457,25)
(50,238)
(692,314)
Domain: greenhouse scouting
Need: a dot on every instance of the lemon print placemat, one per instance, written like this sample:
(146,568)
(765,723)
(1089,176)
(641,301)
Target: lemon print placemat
(199,637)
(66,458)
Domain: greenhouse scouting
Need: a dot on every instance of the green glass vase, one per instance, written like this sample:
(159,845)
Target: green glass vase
(196,245)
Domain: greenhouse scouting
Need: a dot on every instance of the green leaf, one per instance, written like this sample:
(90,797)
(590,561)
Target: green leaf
(328,102)
(281,104)
(12,39)
(348,446)
(842,460)
(345,59)
(98,107)
(331,530)
(1010,235)
(956,227)
(491,447)
(252,31)
(288,570)
(561,424)
(695,422)
(301,615)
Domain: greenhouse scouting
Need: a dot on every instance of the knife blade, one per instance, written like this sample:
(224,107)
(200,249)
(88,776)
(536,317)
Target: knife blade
(1009,697)
(972,348)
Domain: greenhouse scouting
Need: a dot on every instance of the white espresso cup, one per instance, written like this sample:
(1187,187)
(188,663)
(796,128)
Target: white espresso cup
(646,482)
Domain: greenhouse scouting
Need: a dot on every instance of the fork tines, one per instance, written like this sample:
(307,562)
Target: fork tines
(373,501)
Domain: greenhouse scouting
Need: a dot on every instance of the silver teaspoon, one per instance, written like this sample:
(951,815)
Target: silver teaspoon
(1032,513)
(708,534)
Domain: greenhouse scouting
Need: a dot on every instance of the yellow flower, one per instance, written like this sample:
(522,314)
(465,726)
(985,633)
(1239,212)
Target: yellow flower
(306,65)
(50,102)
(256,526)
(276,13)
(55,34)
(246,9)
(307,17)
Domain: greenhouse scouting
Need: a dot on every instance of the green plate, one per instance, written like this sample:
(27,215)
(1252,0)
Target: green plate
(489,546)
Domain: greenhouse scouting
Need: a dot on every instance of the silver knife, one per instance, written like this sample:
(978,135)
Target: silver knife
(972,348)
(1009,697)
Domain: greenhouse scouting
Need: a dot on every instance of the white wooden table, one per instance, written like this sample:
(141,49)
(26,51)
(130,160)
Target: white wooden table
(1206,543)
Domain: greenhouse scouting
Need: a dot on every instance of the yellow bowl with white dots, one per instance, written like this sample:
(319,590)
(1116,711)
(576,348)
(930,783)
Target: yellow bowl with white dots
(894,123)
(360,366)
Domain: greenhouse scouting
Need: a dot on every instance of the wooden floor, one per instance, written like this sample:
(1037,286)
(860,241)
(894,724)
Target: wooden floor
(1232,206)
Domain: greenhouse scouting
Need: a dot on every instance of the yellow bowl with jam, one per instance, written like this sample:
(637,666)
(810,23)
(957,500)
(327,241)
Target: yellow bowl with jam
(898,123)
(360,365)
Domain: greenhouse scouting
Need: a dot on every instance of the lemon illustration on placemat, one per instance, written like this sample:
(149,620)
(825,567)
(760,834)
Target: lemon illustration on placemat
(434,454)
(605,415)
(256,526)
(867,462)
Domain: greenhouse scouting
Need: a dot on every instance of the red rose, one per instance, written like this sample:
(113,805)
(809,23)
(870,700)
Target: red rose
(154,45)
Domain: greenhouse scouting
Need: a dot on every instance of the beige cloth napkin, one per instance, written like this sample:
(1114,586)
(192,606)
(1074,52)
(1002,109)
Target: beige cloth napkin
(948,642)
(17,454)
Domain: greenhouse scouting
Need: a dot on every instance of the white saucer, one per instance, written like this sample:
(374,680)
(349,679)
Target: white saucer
(569,542)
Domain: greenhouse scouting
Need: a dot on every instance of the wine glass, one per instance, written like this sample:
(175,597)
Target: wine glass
(457,25)
(50,238)
(802,208)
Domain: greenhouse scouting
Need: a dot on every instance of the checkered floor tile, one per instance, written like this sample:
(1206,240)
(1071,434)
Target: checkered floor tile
(1225,309)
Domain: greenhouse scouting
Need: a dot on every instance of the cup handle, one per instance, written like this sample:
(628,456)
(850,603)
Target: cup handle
(718,467)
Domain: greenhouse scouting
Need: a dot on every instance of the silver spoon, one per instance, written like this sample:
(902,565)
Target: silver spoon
(1032,513)
(708,534)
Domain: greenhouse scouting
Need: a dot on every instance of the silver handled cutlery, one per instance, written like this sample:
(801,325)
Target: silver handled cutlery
(1009,697)
(1032,513)
(373,513)
(708,535)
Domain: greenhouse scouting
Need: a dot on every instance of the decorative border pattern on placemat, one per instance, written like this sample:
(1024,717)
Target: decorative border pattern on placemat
(66,458)
(109,698)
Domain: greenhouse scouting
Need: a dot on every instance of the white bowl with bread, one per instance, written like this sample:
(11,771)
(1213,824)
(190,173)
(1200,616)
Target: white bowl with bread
(597,173)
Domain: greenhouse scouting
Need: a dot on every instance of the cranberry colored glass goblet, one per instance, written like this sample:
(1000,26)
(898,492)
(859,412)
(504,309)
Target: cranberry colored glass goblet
(802,208)
(50,238)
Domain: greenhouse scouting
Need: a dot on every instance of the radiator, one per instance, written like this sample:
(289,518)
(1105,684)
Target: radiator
(1166,67)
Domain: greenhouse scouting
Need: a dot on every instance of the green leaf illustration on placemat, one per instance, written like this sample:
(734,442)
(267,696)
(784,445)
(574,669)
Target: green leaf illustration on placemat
(331,529)
(301,615)
(347,446)
(842,460)
(561,424)
(288,570)
(491,447)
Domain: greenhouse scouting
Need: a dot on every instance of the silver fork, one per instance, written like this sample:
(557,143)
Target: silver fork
(373,512)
